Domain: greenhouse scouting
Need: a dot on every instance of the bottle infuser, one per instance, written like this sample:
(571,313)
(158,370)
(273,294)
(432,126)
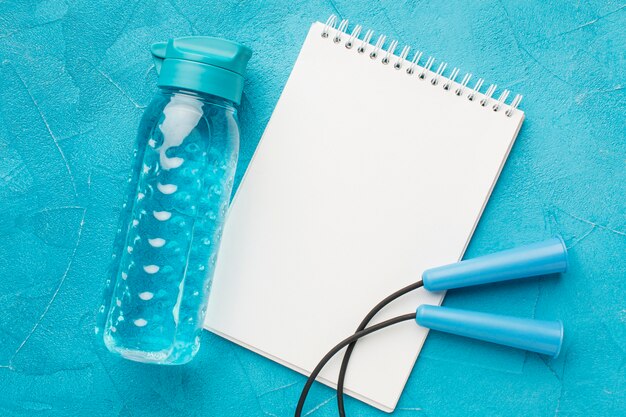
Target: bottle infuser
(540,336)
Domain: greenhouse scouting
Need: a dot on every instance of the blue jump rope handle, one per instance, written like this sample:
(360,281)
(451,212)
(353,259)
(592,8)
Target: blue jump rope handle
(538,336)
(545,337)
(540,258)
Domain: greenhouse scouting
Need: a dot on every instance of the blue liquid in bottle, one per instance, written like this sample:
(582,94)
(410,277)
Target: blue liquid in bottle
(166,249)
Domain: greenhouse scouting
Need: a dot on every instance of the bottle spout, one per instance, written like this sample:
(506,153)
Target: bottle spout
(203,64)
(158,55)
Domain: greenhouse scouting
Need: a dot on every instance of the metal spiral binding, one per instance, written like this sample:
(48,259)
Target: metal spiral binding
(341,29)
(429,63)
(435,77)
(440,70)
(451,78)
(366,41)
(402,58)
(488,94)
(459,91)
(379,44)
(354,35)
(390,50)
(411,69)
(476,89)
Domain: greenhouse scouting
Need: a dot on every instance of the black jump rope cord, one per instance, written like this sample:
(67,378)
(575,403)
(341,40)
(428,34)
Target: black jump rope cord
(341,345)
(346,358)
(351,342)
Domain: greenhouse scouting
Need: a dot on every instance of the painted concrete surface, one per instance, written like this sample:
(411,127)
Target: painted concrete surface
(75,78)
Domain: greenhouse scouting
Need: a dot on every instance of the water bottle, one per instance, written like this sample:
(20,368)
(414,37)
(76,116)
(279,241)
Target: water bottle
(180,185)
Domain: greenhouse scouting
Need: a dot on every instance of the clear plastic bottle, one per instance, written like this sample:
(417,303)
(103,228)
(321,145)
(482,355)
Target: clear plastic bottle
(180,186)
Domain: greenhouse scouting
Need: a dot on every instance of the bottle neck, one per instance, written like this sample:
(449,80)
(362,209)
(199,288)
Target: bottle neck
(203,97)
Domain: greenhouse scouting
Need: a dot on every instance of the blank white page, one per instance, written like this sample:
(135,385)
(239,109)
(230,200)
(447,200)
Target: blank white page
(365,177)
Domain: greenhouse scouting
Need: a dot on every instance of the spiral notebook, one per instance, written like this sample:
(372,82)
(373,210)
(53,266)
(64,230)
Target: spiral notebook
(376,164)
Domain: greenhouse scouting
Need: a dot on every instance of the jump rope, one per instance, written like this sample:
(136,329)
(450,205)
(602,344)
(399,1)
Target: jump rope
(544,337)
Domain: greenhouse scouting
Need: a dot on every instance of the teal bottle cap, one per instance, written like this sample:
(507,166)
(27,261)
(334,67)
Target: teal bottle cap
(203,64)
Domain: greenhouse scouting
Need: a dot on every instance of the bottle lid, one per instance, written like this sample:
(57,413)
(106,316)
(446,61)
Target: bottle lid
(202,63)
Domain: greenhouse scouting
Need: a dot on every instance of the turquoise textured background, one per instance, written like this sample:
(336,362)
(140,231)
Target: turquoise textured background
(75,77)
